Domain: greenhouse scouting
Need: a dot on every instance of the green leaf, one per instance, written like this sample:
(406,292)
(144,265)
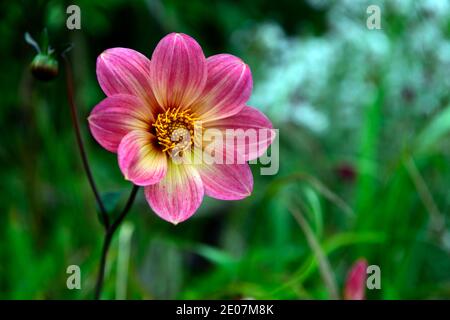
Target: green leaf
(313,202)
(435,130)
(110,201)
(214,255)
(29,39)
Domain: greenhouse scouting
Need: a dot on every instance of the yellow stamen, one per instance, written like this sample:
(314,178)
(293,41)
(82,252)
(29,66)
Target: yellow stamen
(175,128)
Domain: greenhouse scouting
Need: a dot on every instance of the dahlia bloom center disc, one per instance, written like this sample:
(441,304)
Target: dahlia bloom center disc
(175,129)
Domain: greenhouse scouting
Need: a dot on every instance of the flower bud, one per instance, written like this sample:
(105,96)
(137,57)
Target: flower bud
(355,284)
(44,67)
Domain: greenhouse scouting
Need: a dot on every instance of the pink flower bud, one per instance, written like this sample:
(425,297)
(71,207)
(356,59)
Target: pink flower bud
(355,284)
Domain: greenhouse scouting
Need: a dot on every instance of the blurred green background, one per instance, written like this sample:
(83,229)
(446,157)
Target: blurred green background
(364,119)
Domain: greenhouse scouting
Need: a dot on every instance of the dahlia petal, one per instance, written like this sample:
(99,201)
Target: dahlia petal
(228,88)
(140,160)
(252,130)
(226,182)
(178,70)
(178,195)
(115,116)
(122,70)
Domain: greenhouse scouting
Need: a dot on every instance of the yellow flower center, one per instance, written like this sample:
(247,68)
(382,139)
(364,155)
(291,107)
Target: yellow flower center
(175,129)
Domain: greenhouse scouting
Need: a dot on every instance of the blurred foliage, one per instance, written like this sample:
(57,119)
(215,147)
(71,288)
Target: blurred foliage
(364,118)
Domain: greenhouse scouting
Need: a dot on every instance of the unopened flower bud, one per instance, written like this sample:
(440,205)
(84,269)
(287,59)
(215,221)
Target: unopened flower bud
(44,67)
(355,285)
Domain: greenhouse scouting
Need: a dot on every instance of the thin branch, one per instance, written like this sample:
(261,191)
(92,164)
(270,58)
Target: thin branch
(125,210)
(107,241)
(76,126)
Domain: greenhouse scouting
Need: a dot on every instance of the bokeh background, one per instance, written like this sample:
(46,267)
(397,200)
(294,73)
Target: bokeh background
(364,119)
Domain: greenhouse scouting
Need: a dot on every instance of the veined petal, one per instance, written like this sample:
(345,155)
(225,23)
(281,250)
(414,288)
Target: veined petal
(178,195)
(117,115)
(247,135)
(140,160)
(228,88)
(226,182)
(122,70)
(178,70)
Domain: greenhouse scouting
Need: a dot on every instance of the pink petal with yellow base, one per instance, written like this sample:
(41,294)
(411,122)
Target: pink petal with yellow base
(178,195)
(140,160)
(116,116)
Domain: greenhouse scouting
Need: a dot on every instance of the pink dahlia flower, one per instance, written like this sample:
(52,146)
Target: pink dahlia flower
(149,101)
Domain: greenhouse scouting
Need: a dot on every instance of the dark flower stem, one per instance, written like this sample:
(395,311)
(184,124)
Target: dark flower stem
(76,126)
(107,241)
(110,229)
